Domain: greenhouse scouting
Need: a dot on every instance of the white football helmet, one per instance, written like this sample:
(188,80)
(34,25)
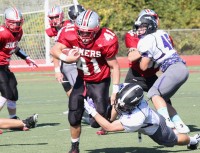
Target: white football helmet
(87,25)
(149,12)
(55,16)
(13,19)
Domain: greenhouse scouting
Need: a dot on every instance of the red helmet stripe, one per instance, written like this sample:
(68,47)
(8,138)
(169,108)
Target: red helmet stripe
(148,10)
(86,17)
(16,13)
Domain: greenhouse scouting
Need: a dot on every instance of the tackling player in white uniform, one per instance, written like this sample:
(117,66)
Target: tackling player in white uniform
(136,115)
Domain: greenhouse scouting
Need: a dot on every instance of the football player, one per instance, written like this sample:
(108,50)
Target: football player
(10,34)
(137,116)
(97,48)
(157,46)
(65,73)
(147,78)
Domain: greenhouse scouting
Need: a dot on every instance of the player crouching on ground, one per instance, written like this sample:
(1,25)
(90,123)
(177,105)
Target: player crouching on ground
(136,115)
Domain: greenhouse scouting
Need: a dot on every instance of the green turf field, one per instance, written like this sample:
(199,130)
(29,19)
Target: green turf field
(40,93)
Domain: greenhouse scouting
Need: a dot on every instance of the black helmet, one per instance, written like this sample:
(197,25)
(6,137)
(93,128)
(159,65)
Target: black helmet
(147,21)
(128,97)
(74,11)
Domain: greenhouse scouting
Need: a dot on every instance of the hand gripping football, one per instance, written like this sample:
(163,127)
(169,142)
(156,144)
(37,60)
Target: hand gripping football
(69,51)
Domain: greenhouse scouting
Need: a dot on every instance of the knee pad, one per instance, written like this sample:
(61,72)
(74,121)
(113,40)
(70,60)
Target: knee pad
(75,117)
(11,104)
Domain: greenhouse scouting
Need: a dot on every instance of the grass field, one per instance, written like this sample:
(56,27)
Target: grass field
(40,93)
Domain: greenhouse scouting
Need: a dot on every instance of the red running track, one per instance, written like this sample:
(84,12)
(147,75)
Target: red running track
(192,60)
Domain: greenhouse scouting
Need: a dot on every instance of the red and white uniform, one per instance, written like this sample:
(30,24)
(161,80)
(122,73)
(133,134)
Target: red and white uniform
(92,65)
(131,41)
(9,42)
(53,32)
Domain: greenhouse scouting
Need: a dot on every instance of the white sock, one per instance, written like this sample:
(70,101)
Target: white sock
(75,140)
(176,119)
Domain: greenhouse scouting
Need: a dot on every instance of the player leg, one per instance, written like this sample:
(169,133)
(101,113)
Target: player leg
(100,96)
(67,83)
(168,137)
(11,103)
(70,72)
(76,109)
(8,88)
(3,87)
(11,123)
(165,87)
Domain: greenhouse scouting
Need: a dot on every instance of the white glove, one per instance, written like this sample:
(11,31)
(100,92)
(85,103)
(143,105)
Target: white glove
(30,62)
(89,106)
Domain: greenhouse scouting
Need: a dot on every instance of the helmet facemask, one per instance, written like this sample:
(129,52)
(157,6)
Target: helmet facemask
(87,26)
(56,16)
(141,30)
(86,36)
(14,26)
(13,19)
(145,22)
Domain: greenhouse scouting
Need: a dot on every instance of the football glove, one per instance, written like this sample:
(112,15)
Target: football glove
(30,62)
(89,106)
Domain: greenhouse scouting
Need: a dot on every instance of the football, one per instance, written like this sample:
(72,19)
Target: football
(68,51)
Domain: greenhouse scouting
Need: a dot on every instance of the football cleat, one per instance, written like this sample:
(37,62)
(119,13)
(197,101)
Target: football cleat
(15,117)
(169,123)
(182,128)
(101,132)
(1,132)
(74,148)
(194,146)
(31,122)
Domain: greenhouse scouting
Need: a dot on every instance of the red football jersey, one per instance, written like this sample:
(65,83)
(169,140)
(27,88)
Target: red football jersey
(8,44)
(52,31)
(131,41)
(92,65)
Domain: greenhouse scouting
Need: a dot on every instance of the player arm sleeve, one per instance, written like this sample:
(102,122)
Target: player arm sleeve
(20,53)
(145,47)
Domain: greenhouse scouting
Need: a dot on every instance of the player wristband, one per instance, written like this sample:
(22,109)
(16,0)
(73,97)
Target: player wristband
(63,57)
(57,69)
(94,112)
(115,88)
